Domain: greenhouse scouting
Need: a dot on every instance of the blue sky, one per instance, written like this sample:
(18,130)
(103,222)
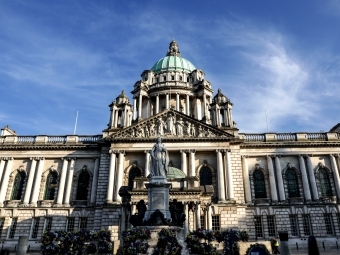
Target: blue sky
(60,57)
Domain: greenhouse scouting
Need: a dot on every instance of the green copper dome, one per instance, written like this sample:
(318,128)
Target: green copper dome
(173,61)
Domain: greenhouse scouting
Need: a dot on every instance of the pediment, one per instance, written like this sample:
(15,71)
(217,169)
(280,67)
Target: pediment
(170,124)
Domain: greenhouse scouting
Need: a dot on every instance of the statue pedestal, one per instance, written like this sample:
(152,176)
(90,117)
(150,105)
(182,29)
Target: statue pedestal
(158,197)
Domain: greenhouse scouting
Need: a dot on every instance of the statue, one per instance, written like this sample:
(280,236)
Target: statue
(171,128)
(159,159)
(180,126)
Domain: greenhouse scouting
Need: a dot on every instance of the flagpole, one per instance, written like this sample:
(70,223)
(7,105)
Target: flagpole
(75,125)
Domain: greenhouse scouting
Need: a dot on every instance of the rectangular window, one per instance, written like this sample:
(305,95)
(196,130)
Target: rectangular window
(70,224)
(173,77)
(35,227)
(258,226)
(215,220)
(164,78)
(294,227)
(306,225)
(202,221)
(271,225)
(83,223)
(2,222)
(329,224)
(48,224)
(180,78)
(12,228)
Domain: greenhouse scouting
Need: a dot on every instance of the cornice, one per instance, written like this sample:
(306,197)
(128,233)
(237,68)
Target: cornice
(289,144)
(48,147)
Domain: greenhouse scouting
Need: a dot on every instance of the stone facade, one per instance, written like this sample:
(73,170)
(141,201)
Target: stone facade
(263,183)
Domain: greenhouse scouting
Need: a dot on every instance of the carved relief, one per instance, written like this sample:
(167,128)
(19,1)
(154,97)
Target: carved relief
(168,125)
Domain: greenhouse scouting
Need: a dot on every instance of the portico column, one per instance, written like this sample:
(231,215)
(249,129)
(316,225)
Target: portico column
(336,174)
(279,178)
(5,179)
(157,103)
(304,177)
(167,104)
(246,181)
(177,101)
(69,182)
(28,189)
(186,222)
(112,115)
(188,104)
(147,163)
(111,180)
(218,122)
(271,179)
(94,181)
(134,108)
(184,161)
(198,215)
(192,163)
(225,116)
(61,187)
(220,179)
(205,105)
(230,187)
(209,218)
(36,188)
(140,106)
(312,178)
(119,180)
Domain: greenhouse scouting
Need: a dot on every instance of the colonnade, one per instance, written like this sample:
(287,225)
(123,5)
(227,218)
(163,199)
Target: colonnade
(32,186)
(277,191)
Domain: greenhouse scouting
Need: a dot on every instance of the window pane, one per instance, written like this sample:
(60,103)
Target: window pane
(259,184)
(329,224)
(134,172)
(51,183)
(294,225)
(83,186)
(18,186)
(70,224)
(48,224)
(271,225)
(325,185)
(35,227)
(205,176)
(83,223)
(292,183)
(202,221)
(258,226)
(13,227)
(2,222)
(306,225)
(215,220)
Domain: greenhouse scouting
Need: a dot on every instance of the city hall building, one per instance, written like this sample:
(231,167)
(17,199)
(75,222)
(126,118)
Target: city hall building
(220,178)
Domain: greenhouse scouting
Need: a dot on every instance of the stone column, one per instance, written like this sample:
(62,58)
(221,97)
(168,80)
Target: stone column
(5,179)
(112,117)
(119,180)
(111,180)
(246,181)
(230,176)
(220,179)
(198,215)
(157,103)
(167,103)
(29,183)
(312,181)
(177,101)
(116,119)
(209,218)
(192,163)
(217,114)
(184,161)
(279,178)
(186,222)
(62,180)
(336,174)
(205,105)
(225,116)
(2,166)
(69,182)
(36,188)
(188,105)
(147,163)
(140,106)
(134,108)
(95,181)
(306,190)
(271,179)
(197,111)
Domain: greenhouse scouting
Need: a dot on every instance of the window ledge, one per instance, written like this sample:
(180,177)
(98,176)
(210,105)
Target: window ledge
(12,203)
(45,203)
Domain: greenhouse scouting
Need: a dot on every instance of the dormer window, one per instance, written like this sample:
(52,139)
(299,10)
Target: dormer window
(172,77)
(180,78)
(164,78)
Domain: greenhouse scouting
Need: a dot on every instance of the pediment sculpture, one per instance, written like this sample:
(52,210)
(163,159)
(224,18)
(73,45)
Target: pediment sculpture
(170,124)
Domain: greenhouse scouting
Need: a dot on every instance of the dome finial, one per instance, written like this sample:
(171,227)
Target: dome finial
(173,49)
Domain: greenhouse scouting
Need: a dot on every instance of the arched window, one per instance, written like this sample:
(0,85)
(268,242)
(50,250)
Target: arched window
(18,186)
(259,184)
(134,172)
(51,183)
(325,185)
(292,183)
(83,186)
(205,176)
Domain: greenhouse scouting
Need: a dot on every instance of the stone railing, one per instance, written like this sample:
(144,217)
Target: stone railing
(287,137)
(53,139)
